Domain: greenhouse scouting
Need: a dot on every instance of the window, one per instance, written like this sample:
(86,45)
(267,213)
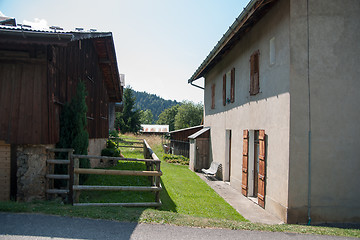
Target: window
(272,51)
(254,73)
(229,87)
(213,96)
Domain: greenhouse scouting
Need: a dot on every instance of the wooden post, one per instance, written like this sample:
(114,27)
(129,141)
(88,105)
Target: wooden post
(157,182)
(71,180)
(47,180)
(76,194)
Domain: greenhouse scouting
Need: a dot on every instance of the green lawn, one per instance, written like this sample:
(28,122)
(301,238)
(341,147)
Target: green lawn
(183,191)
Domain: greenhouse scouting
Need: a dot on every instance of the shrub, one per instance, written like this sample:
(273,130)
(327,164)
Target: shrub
(114,133)
(178,159)
(111,150)
(111,144)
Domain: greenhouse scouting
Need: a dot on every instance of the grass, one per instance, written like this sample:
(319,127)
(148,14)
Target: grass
(187,201)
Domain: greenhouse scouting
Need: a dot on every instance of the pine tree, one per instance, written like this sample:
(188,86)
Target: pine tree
(129,119)
(73,133)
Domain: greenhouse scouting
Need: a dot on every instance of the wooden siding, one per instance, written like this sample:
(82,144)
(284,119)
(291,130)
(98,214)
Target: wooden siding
(35,82)
(4,171)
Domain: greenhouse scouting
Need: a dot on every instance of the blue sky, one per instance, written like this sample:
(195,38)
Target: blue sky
(159,43)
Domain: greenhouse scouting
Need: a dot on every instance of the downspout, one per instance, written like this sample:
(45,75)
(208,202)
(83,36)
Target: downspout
(309,98)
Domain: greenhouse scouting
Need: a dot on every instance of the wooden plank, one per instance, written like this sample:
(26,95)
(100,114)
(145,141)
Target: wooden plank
(116,158)
(58,161)
(57,191)
(143,204)
(57,176)
(262,169)
(129,146)
(116,188)
(60,149)
(116,172)
(244,185)
(36,106)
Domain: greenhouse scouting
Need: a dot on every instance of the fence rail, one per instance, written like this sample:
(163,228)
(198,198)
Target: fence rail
(73,190)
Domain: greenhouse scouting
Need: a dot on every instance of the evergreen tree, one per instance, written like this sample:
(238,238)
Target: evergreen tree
(129,119)
(73,133)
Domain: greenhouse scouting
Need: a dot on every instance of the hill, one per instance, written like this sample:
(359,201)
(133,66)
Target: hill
(152,102)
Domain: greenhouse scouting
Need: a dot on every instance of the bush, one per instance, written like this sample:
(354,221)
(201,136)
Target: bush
(111,144)
(111,150)
(114,133)
(178,159)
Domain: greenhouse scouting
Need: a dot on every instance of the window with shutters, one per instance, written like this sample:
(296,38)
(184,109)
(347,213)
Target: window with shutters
(213,96)
(229,87)
(254,73)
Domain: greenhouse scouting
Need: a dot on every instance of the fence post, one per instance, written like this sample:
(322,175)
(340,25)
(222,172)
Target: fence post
(71,174)
(76,194)
(157,182)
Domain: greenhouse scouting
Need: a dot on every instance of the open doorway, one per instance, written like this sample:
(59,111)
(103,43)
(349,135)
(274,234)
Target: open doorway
(227,176)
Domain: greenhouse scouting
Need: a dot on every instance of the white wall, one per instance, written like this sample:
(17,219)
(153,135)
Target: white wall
(333,73)
(268,110)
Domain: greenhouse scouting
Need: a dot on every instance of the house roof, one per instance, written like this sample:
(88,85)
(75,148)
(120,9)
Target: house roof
(103,42)
(251,14)
(186,129)
(199,133)
(150,128)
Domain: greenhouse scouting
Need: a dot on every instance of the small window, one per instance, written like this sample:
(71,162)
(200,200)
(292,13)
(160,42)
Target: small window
(213,96)
(272,51)
(229,87)
(254,73)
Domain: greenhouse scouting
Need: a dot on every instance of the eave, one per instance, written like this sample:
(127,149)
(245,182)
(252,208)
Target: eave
(253,12)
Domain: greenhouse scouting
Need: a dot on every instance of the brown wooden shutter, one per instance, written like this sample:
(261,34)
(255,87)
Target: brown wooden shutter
(224,89)
(244,185)
(254,73)
(213,96)
(262,169)
(232,89)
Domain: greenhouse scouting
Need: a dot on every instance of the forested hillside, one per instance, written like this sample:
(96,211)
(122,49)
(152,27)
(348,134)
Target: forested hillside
(154,103)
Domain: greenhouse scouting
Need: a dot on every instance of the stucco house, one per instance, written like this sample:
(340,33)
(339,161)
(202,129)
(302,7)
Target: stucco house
(281,93)
(39,73)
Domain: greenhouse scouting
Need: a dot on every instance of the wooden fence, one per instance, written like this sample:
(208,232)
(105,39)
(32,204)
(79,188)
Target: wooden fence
(153,172)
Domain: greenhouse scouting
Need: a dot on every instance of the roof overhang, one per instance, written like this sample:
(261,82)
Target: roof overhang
(252,13)
(103,43)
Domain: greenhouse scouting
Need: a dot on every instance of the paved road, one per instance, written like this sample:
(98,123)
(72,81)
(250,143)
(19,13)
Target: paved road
(44,227)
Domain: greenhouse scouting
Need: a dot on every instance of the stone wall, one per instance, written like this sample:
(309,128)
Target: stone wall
(31,162)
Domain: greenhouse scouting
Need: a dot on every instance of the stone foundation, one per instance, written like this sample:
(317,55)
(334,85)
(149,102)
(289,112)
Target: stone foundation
(94,149)
(31,162)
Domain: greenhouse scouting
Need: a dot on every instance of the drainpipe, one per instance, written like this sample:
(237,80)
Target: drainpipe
(309,98)
(191,82)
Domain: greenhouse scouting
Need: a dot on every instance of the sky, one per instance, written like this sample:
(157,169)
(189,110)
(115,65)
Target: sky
(159,43)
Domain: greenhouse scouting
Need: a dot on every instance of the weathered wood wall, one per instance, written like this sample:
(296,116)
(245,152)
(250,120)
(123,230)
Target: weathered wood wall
(35,82)
(4,171)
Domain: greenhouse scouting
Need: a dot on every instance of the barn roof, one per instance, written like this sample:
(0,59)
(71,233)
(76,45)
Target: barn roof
(103,42)
(251,14)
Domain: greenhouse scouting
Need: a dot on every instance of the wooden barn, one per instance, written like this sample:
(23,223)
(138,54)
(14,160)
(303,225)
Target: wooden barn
(39,73)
